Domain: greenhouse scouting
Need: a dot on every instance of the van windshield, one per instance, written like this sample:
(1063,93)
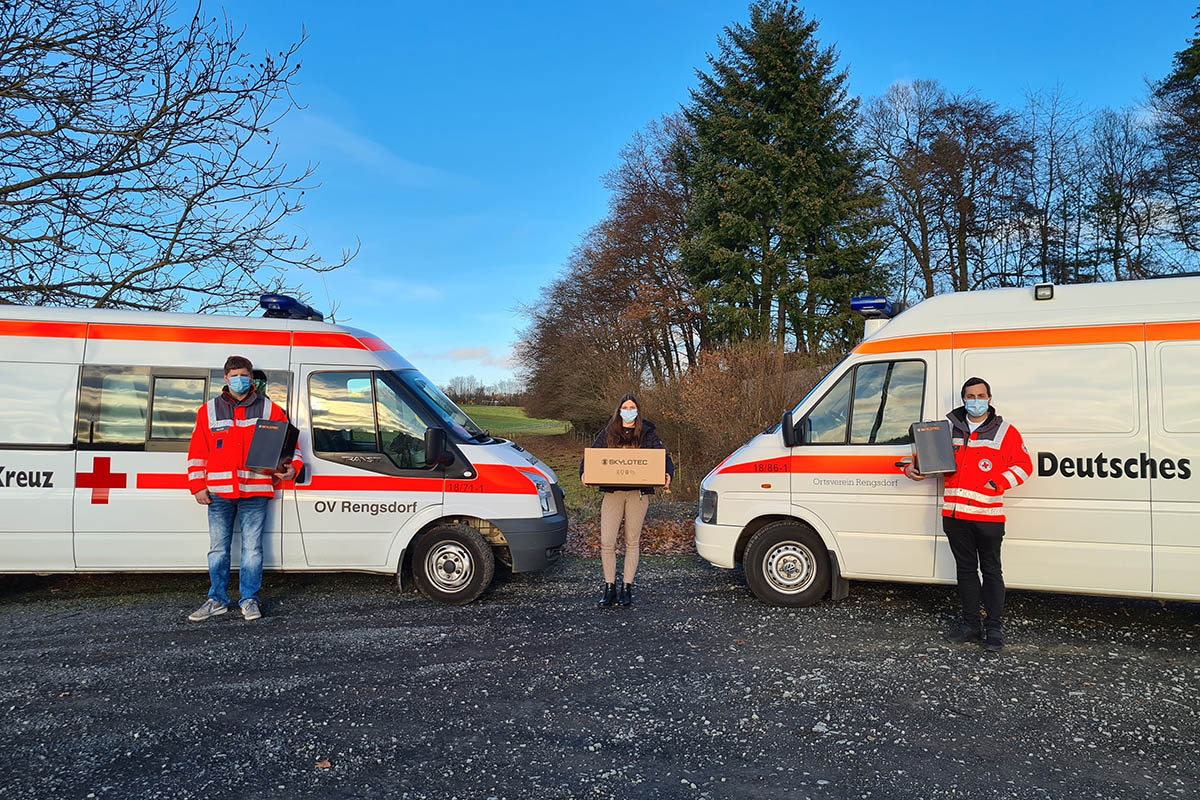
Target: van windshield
(454,418)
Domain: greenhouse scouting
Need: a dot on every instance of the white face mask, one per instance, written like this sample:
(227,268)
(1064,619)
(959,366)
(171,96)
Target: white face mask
(629,414)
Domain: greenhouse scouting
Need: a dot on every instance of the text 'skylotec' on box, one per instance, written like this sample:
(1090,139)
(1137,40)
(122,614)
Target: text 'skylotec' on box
(624,466)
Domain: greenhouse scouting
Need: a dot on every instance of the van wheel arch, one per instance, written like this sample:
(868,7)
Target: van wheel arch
(452,563)
(787,564)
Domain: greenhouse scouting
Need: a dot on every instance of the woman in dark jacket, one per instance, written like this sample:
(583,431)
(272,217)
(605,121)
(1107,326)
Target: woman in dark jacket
(625,429)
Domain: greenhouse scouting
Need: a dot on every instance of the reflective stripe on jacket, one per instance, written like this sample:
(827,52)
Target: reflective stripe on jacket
(221,442)
(989,462)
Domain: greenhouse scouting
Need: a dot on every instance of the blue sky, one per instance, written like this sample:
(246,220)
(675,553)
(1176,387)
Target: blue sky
(463,144)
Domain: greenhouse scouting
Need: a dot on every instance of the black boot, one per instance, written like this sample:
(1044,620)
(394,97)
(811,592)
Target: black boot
(963,631)
(626,594)
(610,596)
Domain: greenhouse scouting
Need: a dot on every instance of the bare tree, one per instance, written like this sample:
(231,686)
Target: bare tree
(1052,126)
(1126,207)
(138,166)
(975,155)
(898,130)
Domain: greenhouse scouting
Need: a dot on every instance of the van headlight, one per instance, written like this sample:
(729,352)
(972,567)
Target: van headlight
(545,493)
(708,506)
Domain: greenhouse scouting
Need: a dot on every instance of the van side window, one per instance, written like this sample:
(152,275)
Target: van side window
(826,424)
(279,383)
(39,403)
(175,401)
(873,403)
(400,429)
(113,406)
(343,412)
(1179,371)
(887,400)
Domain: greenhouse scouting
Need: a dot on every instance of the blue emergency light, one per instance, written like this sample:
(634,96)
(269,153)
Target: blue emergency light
(281,306)
(875,307)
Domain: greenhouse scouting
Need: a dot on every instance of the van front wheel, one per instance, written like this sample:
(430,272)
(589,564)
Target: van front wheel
(787,564)
(452,564)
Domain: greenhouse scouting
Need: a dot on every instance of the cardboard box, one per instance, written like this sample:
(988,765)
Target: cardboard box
(272,446)
(933,447)
(624,466)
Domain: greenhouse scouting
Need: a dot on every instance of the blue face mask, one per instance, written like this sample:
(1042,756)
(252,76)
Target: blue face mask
(629,414)
(239,384)
(976,407)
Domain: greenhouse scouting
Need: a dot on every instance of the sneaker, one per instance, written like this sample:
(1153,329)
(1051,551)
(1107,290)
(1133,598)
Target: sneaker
(961,632)
(211,608)
(250,609)
(994,641)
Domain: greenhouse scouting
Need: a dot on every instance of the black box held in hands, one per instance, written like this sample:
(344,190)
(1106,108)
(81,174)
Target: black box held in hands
(272,446)
(933,447)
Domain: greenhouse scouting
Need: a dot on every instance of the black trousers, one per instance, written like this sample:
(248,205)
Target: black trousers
(976,549)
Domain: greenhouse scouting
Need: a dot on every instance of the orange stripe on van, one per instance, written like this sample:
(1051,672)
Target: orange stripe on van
(1050,337)
(933,341)
(1036,337)
(164,333)
(43,330)
(1172,331)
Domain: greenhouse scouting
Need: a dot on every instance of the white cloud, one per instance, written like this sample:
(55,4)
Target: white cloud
(323,135)
(484,356)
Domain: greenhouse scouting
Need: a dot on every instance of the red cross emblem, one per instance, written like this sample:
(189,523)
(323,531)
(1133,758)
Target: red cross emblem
(100,479)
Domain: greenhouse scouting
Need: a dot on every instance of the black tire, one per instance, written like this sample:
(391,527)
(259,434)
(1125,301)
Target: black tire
(786,564)
(452,564)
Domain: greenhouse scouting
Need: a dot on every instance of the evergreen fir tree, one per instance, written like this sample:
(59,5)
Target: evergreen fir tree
(781,229)
(1177,100)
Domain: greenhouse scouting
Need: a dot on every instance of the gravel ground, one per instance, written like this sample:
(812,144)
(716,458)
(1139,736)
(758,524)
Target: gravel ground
(347,689)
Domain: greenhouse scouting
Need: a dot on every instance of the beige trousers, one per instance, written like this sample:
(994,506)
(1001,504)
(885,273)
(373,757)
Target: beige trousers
(630,504)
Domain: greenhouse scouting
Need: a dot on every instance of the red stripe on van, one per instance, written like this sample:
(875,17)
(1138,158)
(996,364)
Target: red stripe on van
(344,340)
(766,467)
(860,465)
(373,344)
(490,479)
(494,479)
(161,480)
(370,483)
(43,330)
(164,333)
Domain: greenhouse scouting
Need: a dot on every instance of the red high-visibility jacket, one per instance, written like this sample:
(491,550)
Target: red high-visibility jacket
(221,442)
(990,461)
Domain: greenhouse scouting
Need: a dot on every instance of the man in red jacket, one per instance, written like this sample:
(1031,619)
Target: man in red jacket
(991,458)
(218,478)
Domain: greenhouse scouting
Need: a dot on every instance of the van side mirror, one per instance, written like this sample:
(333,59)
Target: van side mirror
(436,453)
(788,430)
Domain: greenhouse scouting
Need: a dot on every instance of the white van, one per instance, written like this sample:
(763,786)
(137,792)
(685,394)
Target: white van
(1102,381)
(99,408)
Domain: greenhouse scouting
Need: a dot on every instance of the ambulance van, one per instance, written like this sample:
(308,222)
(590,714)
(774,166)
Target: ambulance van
(99,407)
(1102,381)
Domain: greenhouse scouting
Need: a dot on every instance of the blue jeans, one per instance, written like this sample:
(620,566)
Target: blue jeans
(251,512)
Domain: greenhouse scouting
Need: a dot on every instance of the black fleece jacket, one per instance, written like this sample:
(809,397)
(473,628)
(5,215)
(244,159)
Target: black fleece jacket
(650,441)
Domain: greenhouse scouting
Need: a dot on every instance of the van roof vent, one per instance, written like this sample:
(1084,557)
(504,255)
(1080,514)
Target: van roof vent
(281,306)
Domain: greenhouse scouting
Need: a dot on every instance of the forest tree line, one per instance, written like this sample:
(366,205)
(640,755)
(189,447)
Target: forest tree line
(740,226)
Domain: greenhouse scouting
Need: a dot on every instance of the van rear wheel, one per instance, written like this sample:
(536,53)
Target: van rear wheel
(453,564)
(787,564)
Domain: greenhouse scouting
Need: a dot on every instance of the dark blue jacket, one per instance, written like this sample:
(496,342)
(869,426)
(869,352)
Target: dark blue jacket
(650,441)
